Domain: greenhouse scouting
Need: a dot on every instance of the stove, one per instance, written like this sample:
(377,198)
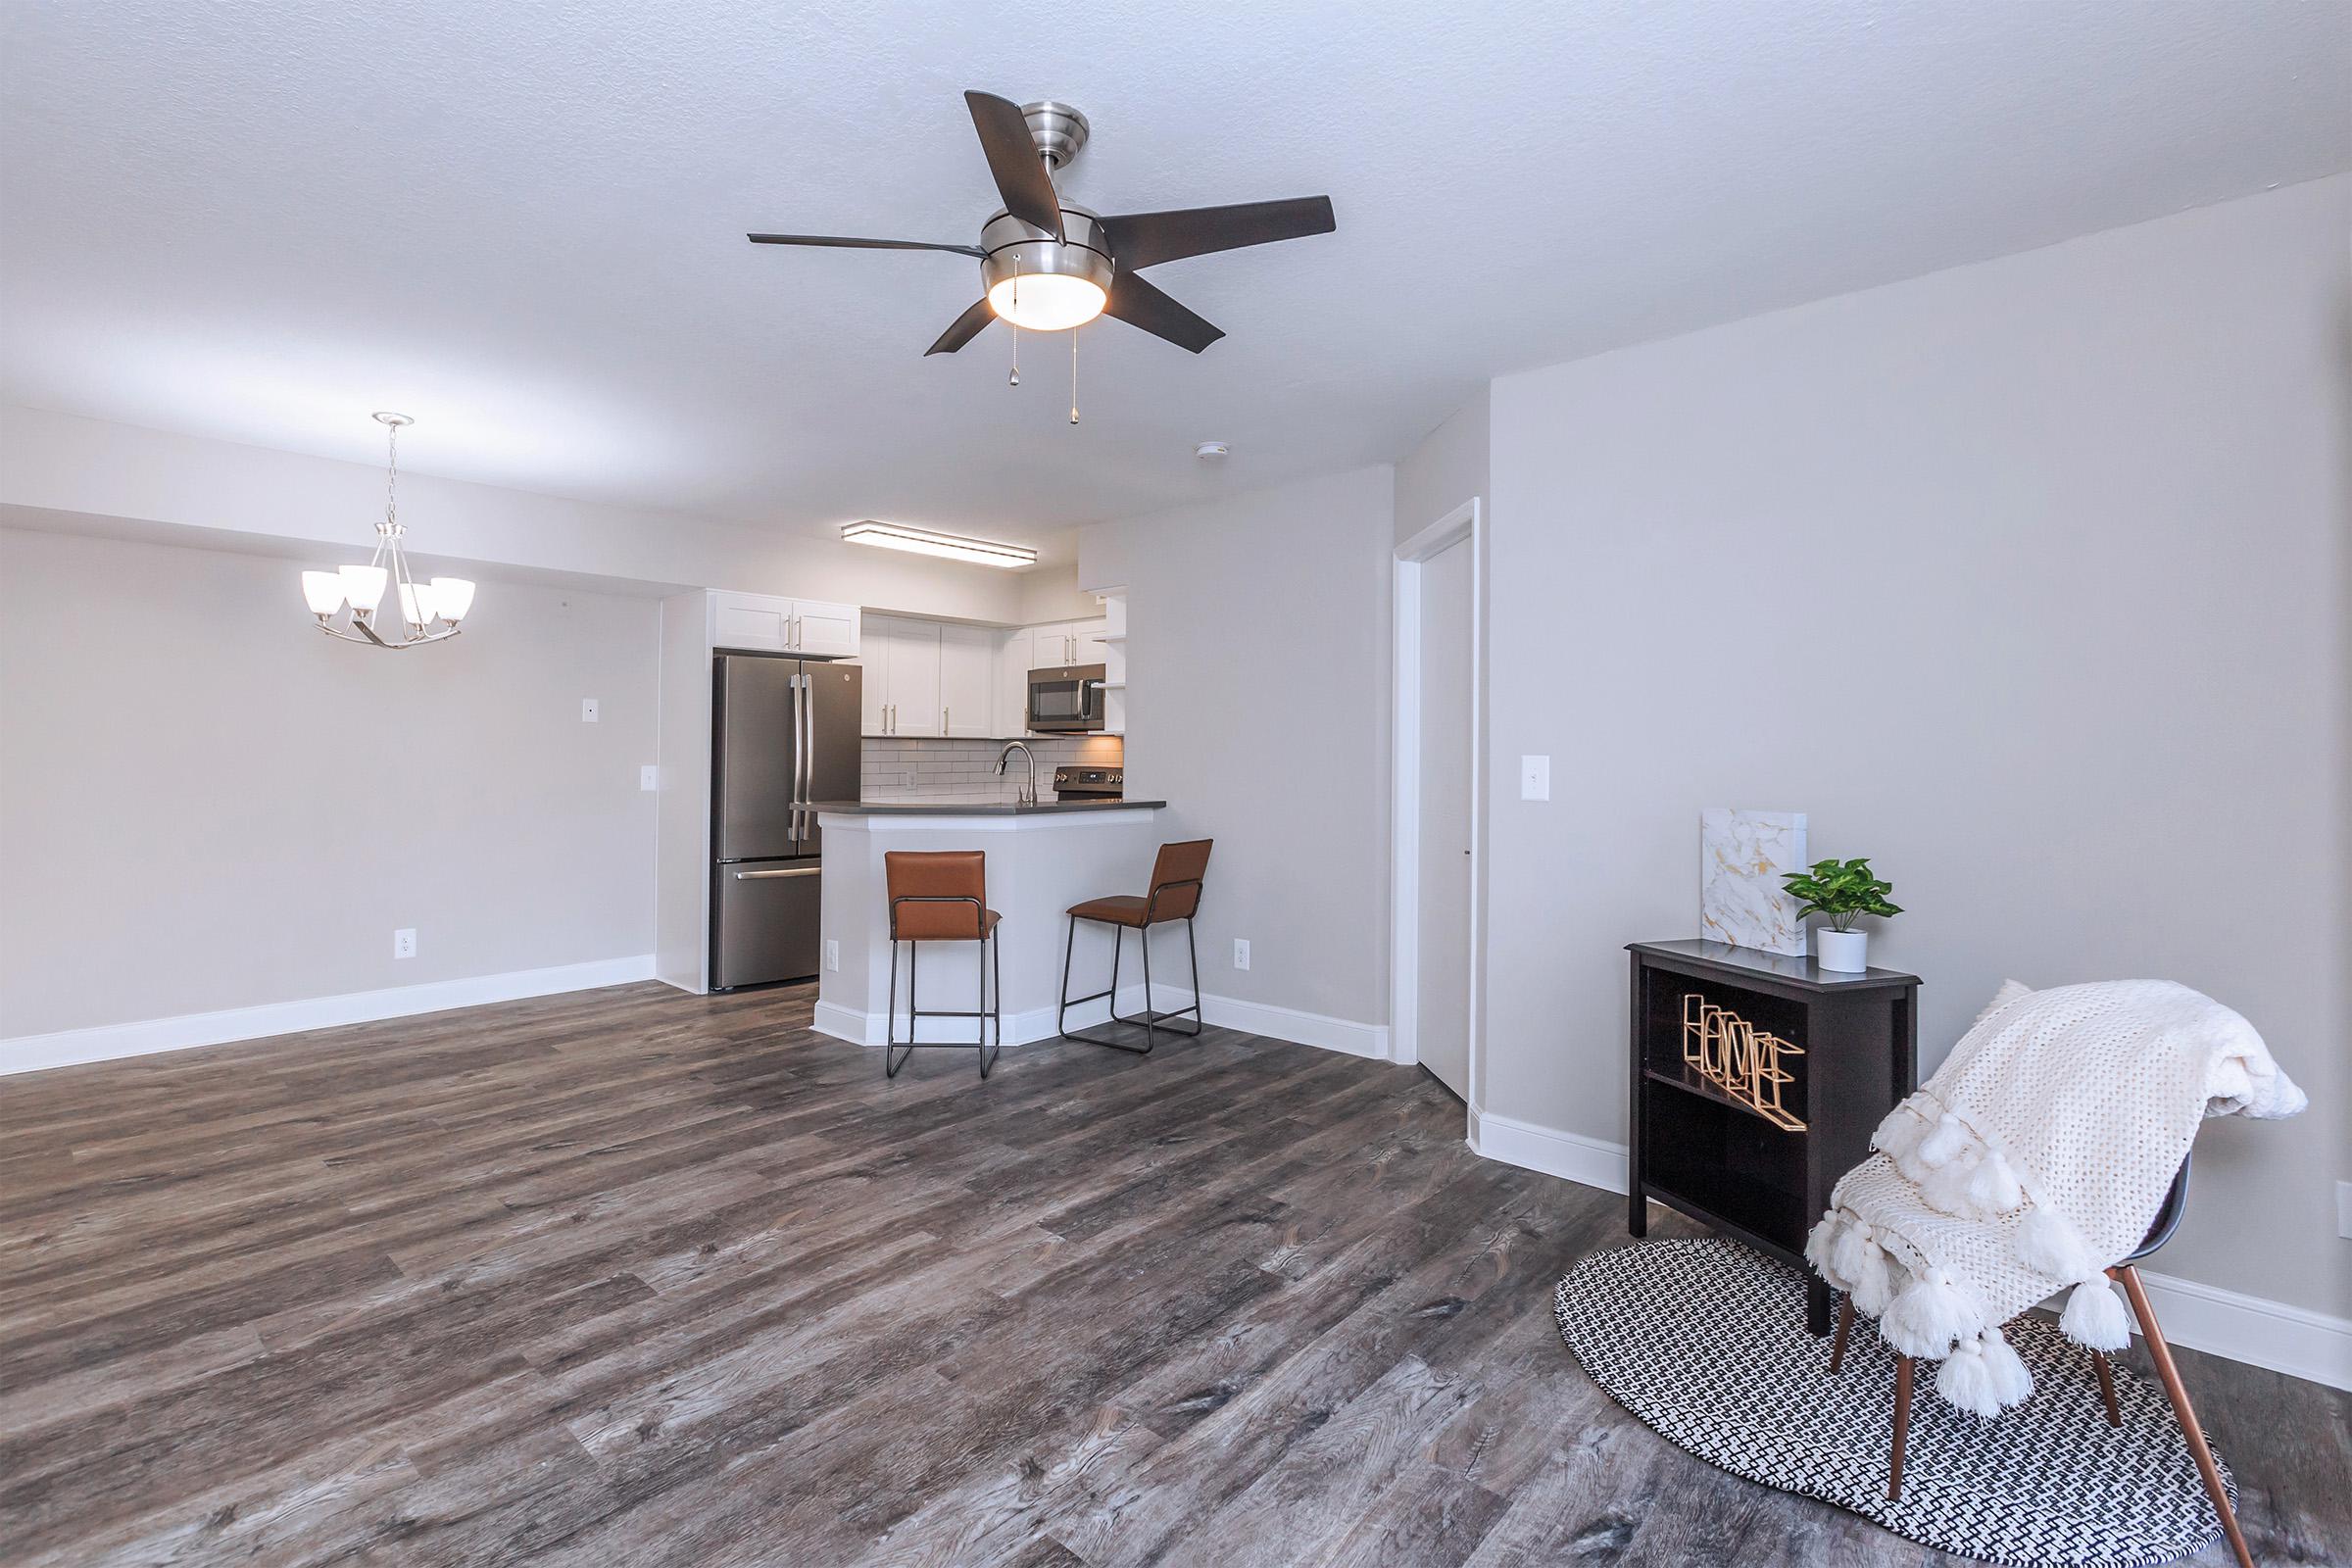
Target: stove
(1090,783)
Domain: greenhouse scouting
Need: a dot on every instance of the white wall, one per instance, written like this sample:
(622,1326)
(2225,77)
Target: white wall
(1447,467)
(2028,579)
(206,805)
(1051,592)
(1258,708)
(104,476)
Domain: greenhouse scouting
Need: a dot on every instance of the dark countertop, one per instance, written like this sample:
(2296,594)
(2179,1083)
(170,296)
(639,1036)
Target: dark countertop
(940,808)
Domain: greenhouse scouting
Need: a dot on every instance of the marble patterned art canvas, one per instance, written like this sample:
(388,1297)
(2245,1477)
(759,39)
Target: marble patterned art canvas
(1740,897)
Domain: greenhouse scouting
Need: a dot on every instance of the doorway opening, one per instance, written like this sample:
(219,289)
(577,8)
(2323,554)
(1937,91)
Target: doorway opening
(1436,769)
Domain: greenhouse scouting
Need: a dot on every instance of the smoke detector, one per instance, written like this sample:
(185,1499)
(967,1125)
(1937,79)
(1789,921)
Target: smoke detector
(1211,450)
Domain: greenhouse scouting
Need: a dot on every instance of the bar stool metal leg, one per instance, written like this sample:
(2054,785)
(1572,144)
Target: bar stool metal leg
(988,1022)
(891,1061)
(1152,1021)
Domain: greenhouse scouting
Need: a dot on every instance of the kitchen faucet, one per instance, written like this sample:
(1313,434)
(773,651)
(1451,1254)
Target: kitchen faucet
(1028,790)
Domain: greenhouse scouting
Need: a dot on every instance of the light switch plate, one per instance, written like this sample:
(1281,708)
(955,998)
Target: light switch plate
(587,710)
(1535,778)
(649,777)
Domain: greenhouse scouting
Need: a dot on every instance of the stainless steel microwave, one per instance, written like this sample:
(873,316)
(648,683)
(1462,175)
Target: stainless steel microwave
(1065,699)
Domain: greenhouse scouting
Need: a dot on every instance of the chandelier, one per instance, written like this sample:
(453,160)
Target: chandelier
(443,601)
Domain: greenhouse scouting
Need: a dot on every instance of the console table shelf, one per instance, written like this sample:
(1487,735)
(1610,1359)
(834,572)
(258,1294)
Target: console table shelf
(1828,1053)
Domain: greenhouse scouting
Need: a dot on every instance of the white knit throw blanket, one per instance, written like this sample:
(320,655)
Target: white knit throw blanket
(2035,1159)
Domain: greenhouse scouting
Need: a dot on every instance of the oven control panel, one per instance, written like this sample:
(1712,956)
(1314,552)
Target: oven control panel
(1090,783)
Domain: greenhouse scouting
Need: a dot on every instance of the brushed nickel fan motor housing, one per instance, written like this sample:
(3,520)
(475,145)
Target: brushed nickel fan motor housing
(1058,129)
(1015,248)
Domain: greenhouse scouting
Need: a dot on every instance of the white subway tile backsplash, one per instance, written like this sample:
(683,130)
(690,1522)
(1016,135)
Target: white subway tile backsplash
(923,769)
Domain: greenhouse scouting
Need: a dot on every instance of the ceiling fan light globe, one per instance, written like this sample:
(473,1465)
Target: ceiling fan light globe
(1048,302)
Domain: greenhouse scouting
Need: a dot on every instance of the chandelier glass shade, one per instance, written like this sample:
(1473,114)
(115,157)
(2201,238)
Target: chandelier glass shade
(347,600)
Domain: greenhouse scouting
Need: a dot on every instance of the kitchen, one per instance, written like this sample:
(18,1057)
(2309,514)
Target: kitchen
(803,740)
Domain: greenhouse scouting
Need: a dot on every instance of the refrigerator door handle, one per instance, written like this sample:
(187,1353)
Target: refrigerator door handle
(807,738)
(764,877)
(800,756)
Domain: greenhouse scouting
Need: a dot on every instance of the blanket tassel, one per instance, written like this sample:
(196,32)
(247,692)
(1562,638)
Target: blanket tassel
(2094,1316)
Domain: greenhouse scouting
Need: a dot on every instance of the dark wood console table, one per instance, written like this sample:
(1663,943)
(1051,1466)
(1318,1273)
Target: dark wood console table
(1839,1049)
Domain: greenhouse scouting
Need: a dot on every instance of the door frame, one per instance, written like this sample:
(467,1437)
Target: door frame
(1465,521)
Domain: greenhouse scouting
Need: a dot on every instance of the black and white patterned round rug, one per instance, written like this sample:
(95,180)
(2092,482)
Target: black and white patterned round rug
(1705,1342)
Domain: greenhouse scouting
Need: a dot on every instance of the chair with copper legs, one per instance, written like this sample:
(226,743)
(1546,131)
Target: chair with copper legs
(2168,1221)
(941,897)
(1175,896)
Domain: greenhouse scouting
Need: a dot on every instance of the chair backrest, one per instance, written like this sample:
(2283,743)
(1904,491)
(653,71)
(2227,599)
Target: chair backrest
(1176,879)
(936,895)
(2168,1215)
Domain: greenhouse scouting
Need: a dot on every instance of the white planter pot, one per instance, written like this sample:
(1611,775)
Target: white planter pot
(1843,951)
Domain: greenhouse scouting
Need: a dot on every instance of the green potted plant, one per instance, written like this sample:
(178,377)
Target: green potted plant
(1844,891)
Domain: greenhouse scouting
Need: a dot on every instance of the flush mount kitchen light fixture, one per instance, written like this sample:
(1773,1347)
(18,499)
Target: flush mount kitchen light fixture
(444,600)
(949,546)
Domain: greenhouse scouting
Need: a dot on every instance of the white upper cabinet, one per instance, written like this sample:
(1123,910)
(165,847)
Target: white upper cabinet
(902,675)
(824,629)
(767,623)
(968,681)
(1013,663)
(929,677)
(1068,642)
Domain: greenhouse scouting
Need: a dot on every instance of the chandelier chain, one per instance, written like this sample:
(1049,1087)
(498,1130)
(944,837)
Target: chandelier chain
(392,477)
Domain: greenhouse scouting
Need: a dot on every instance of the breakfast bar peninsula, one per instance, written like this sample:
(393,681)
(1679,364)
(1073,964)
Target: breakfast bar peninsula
(1041,859)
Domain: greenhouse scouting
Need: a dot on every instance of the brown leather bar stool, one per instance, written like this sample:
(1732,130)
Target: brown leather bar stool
(941,897)
(1175,896)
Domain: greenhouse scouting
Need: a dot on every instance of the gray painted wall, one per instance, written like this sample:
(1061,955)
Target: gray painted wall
(1447,467)
(59,471)
(2028,579)
(1258,708)
(203,803)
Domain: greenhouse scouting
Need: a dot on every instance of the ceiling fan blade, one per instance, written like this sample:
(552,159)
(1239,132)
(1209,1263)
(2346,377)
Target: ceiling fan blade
(844,243)
(968,327)
(1140,304)
(1013,159)
(1145,239)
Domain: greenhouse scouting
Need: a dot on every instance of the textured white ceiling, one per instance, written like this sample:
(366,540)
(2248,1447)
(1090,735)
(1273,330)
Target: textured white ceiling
(523,222)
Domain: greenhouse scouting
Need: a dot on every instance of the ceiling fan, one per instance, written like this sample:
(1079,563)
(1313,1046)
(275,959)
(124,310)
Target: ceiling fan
(1047,264)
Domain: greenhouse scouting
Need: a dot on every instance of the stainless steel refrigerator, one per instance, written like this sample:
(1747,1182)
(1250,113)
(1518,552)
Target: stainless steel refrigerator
(783,733)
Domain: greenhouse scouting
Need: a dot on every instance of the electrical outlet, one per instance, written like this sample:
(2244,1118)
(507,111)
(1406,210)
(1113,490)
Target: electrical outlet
(1535,778)
(587,710)
(649,777)
(1240,952)
(832,954)
(404,942)
(2343,1211)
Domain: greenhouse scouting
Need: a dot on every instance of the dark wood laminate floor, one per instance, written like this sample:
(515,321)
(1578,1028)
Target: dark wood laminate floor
(629,1276)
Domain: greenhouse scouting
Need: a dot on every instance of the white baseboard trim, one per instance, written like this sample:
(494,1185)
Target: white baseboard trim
(865,1028)
(1345,1035)
(2272,1335)
(2267,1333)
(1592,1161)
(106,1041)
(1038,1023)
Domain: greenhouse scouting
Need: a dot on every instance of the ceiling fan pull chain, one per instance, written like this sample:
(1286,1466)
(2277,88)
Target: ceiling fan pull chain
(1016,378)
(1073,375)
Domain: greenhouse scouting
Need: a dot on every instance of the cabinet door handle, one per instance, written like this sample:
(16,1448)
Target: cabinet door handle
(943,721)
